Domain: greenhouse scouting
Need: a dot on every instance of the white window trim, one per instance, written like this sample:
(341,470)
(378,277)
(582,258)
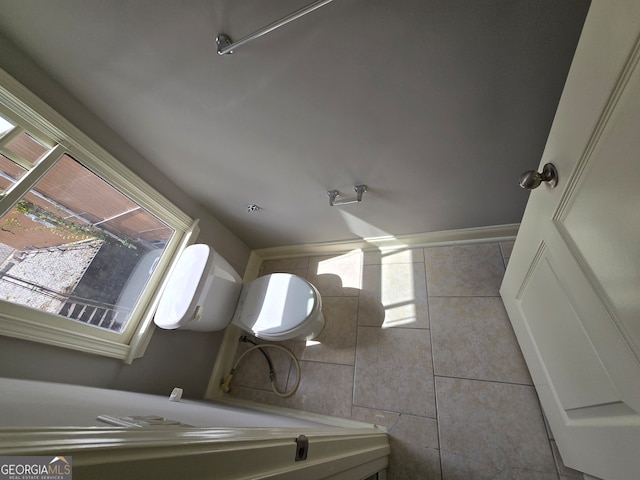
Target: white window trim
(13,322)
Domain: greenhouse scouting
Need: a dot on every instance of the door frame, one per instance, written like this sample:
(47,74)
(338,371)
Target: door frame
(205,453)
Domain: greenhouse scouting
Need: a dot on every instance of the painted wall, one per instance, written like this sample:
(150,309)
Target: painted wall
(173,358)
(40,404)
(40,83)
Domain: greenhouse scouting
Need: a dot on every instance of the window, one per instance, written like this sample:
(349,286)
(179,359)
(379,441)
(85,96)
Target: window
(84,243)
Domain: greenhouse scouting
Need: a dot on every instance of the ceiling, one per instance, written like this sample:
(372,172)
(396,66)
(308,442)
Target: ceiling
(436,105)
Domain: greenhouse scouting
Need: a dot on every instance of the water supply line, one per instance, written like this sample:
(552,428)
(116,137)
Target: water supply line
(226,46)
(226,385)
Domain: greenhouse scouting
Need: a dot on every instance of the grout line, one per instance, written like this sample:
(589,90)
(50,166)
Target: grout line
(435,390)
(482,380)
(293,350)
(465,296)
(355,357)
(388,410)
(326,363)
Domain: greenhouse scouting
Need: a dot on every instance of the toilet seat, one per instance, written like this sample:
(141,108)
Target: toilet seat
(292,305)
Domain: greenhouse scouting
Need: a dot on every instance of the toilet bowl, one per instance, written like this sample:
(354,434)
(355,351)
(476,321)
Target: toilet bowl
(204,293)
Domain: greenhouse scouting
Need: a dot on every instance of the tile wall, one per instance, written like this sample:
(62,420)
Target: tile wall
(418,341)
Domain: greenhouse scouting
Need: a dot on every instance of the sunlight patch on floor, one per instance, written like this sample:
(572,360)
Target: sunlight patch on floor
(397,294)
(347,266)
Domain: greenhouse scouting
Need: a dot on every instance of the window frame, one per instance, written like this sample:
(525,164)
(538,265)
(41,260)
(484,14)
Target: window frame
(24,109)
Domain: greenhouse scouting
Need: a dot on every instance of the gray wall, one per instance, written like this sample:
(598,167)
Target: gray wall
(173,358)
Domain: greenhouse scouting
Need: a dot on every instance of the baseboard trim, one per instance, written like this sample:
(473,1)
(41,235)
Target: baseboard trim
(322,418)
(446,237)
(229,345)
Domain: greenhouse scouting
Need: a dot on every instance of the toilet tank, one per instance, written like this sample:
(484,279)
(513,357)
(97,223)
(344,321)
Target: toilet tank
(201,293)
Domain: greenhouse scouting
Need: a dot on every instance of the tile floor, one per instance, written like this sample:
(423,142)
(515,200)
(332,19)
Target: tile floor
(418,341)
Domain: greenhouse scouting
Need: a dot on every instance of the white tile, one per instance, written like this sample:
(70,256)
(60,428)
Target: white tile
(253,369)
(400,255)
(381,418)
(464,270)
(473,338)
(394,371)
(490,427)
(461,467)
(506,248)
(324,388)
(336,275)
(420,431)
(412,461)
(337,341)
(394,295)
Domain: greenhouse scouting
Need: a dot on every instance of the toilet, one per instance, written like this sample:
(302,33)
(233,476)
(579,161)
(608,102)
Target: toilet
(205,293)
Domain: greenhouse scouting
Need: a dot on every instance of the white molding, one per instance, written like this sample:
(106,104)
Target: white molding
(35,331)
(294,413)
(416,240)
(30,112)
(27,182)
(229,345)
(205,453)
(223,363)
(252,270)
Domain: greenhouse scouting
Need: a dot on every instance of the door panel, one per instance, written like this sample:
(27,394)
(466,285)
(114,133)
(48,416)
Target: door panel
(608,200)
(570,359)
(572,287)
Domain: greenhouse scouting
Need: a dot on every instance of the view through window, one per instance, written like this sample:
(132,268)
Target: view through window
(72,245)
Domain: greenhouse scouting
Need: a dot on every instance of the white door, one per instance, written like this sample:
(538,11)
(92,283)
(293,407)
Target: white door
(572,286)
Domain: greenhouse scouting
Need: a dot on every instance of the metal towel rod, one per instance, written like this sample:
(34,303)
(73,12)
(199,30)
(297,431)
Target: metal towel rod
(226,46)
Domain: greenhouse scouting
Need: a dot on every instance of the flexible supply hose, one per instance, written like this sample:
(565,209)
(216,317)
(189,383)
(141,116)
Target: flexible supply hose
(272,377)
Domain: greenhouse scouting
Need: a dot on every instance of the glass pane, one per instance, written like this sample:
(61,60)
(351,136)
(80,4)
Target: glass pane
(5,126)
(27,148)
(10,173)
(77,247)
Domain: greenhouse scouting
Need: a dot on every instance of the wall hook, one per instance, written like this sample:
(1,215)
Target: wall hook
(334,194)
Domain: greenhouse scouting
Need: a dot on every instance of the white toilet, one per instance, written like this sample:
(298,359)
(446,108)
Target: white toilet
(205,293)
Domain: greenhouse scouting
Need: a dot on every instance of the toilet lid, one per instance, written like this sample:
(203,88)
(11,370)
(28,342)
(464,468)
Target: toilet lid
(276,303)
(182,291)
